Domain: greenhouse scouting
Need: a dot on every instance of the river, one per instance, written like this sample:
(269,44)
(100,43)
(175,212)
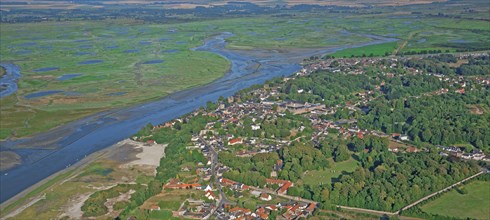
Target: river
(49,152)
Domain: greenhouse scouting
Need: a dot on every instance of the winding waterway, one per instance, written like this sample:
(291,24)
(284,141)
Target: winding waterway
(46,153)
(8,82)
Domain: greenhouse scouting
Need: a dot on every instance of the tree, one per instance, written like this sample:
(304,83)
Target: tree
(325,195)
(341,153)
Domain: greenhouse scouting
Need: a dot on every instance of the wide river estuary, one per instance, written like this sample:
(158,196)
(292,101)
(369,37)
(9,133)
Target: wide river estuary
(49,152)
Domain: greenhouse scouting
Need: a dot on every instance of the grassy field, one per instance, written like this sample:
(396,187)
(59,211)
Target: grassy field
(475,204)
(317,177)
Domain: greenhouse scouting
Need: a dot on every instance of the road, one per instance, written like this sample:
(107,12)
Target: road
(222,197)
(369,211)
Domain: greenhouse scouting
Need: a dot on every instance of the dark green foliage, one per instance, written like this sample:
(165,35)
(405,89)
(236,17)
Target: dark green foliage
(300,157)
(475,66)
(388,182)
(328,88)
(410,85)
(261,164)
(439,120)
(341,153)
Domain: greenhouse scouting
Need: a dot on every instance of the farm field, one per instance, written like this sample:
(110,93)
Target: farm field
(475,204)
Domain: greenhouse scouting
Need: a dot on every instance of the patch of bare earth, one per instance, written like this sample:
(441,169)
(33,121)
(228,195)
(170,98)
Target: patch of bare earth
(476,110)
(149,157)
(73,210)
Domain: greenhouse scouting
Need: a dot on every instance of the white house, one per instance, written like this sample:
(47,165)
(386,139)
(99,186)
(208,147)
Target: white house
(265,197)
(207,188)
(255,127)
(210,195)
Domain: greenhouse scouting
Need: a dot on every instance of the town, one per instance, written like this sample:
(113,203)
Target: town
(246,127)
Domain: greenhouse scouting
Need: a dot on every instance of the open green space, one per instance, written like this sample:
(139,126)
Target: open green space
(475,204)
(327,176)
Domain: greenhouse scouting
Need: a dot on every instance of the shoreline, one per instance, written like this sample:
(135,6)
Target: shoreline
(79,165)
(141,159)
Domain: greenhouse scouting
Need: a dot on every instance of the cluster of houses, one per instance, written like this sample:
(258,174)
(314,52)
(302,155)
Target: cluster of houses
(233,185)
(290,210)
(476,154)
(194,209)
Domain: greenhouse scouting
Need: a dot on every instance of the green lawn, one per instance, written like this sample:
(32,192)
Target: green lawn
(475,204)
(316,177)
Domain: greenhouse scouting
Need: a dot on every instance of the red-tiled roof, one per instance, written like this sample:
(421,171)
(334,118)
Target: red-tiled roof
(271,207)
(239,209)
(235,140)
(311,207)
(227,181)
(285,187)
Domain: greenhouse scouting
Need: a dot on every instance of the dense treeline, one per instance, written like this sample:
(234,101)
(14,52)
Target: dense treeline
(475,66)
(410,85)
(440,65)
(388,181)
(439,119)
(330,88)
(300,157)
